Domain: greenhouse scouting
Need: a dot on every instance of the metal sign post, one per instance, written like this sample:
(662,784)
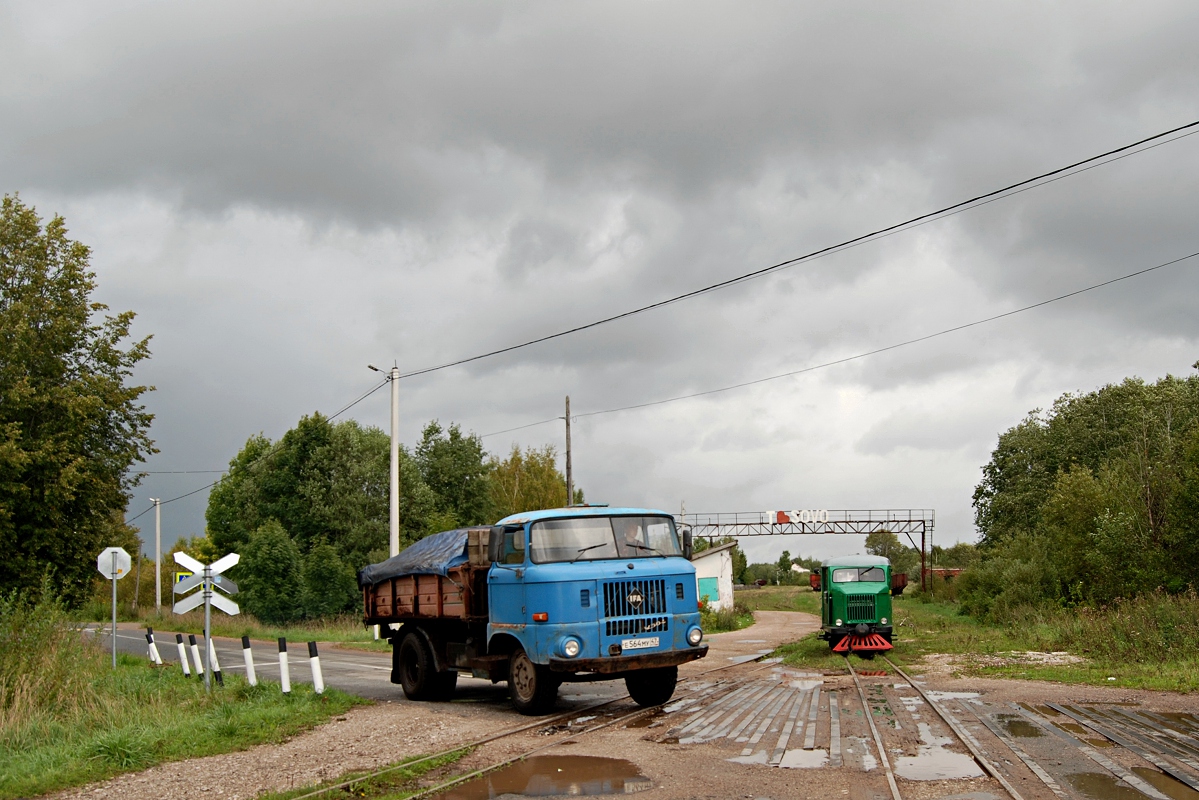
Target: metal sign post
(206,576)
(113,563)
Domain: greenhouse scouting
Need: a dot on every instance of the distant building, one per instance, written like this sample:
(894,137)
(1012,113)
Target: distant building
(799,569)
(714,575)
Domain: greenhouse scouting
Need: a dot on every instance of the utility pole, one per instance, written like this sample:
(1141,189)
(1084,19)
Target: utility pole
(157,555)
(394,377)
(570,479)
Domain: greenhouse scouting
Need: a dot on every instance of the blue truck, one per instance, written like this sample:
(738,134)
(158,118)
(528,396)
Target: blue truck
(538,599)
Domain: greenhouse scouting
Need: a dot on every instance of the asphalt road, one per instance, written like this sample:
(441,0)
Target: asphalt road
(358,672)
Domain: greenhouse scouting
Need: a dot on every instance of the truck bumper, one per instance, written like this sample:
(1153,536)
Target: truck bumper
(613,664)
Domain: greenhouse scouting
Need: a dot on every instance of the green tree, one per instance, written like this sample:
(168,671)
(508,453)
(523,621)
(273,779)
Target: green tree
(528,481)
(454,467)
(270,575)
(71,424)
(329,481)
(329,586)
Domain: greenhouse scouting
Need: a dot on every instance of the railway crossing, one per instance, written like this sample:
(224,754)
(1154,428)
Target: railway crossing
(899,521)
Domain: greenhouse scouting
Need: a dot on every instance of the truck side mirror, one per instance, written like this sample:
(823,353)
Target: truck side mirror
(495,544)
(687,545)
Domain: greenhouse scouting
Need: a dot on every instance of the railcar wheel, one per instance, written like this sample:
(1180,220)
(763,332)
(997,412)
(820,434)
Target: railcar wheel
(414,662)
(652,687)
(533,688)
(834,640)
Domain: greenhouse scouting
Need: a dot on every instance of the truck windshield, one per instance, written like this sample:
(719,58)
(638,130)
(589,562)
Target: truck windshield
(595,538)
(864,574)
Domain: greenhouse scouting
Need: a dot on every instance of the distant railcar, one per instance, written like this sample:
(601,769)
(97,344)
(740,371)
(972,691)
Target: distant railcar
(855,604)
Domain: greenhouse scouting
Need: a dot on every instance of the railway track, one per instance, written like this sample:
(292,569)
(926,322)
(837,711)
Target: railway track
(1031,752)
(543,723)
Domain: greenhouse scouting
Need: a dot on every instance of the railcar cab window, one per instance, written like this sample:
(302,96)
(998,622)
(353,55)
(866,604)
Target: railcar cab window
(859,574)
(597,538)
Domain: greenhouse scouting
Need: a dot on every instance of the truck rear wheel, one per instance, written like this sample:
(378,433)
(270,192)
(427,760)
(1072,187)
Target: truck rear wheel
(532,687)
(652,687)
(417,671)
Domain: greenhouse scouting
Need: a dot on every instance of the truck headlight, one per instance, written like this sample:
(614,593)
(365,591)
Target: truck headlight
(882,621)
(570,648)
(838,623)
(695,636)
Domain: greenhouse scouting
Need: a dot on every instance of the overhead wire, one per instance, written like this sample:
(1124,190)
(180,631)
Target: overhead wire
(858,356)
(986,198)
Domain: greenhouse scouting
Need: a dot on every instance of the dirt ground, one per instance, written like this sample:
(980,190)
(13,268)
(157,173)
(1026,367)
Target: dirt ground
(372,736)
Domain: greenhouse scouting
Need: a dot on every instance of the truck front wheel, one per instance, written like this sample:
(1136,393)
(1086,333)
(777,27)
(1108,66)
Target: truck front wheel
(533,688)
(652,687)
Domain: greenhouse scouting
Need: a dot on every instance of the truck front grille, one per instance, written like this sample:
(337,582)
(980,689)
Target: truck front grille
(635,626)
(635,598)
(859,608)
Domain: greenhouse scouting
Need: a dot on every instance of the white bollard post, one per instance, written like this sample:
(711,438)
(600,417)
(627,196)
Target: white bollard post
(155,659)
(195,648)
(187,673)
(216,665)
(248,654)
(284,675)
(318,680)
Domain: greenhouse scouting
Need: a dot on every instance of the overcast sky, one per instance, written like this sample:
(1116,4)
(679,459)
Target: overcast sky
(285,192)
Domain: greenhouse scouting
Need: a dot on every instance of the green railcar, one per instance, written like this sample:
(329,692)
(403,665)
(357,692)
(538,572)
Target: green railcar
(855,604)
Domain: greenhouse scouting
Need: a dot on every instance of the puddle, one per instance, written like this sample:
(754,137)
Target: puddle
(1098,786)
(645,722)
(951,695)
(1018,726)
(555,776)
(804,759)
(1165,784)
(934,762)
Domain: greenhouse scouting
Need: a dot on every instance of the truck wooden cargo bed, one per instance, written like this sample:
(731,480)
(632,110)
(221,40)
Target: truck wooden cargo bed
(459,595)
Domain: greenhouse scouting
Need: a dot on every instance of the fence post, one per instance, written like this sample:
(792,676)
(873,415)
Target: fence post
(155,659)
(216,665)
(248,654)
(195,648)
(187,673)
(318,680)
(284,675)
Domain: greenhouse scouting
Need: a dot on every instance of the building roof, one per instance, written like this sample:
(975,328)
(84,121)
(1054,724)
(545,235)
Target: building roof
(580,511)
(711,551)
(856,561)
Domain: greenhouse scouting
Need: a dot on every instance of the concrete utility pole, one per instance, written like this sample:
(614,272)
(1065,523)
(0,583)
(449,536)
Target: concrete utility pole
(394,376)
(570,479)
(157,555)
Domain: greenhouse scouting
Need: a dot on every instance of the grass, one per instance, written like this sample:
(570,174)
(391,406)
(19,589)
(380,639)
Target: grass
(727,619)
(1148,643)
(67,717)
(401,779)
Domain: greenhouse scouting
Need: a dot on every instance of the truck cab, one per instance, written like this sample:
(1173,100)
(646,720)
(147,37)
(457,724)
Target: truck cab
(592,593)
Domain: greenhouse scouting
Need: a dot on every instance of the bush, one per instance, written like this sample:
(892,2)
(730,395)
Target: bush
(45,665)
(271,573)
(330,587)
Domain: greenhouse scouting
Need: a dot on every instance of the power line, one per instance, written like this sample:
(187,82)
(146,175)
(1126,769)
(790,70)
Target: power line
(983,199)
(858,356)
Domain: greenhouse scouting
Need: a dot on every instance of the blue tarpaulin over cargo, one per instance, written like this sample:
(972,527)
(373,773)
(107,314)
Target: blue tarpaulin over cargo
(433,555)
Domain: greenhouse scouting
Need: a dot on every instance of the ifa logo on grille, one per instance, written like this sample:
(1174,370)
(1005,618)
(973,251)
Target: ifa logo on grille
(635,598)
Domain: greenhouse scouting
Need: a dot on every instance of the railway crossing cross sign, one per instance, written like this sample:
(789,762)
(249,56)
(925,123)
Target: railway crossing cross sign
(114,564)
(207,577)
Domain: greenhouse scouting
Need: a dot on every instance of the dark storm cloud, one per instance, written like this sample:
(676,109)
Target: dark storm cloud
(286,191)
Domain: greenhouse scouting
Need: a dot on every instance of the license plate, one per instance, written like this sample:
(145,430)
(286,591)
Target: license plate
(637,644)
